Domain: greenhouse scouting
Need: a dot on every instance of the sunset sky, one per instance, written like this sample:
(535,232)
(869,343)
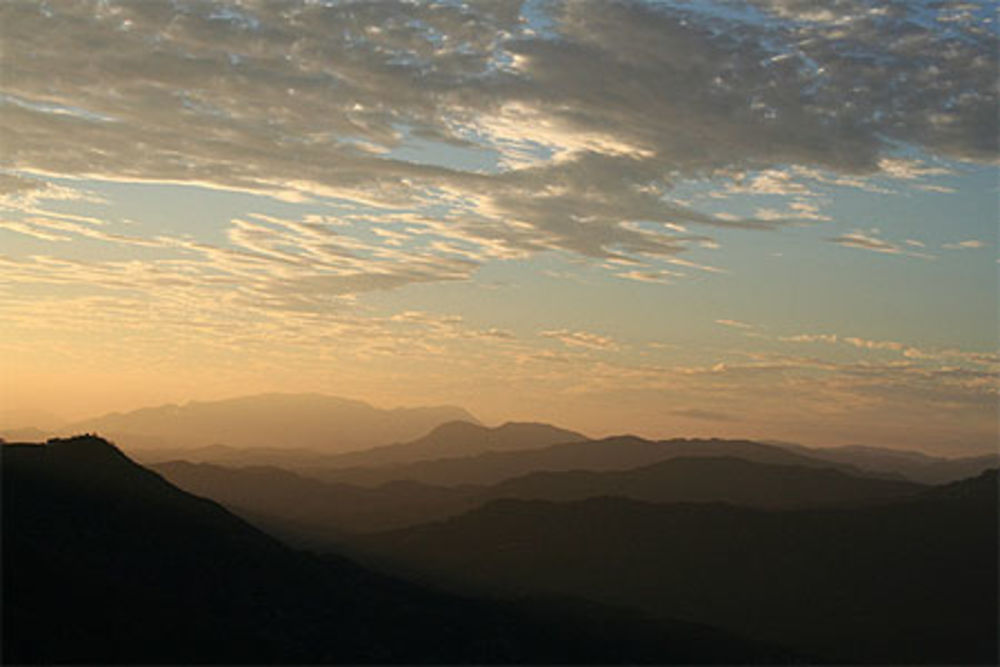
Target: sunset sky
(774,219)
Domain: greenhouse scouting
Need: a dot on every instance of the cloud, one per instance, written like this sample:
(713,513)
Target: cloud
(704,415)
(810,338)
(941,189)
(582,339)
(953,112)
(662,276)
(982,360)
(55,229)
(870,241)
(579,126)
(768,182)
(971,244)
(908,170)
(853,341)
(735,324)
(874,344)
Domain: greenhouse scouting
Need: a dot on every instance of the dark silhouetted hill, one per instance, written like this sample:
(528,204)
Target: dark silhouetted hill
(912,581)
(915,466)
(310,421)
(106,562)
(616,453)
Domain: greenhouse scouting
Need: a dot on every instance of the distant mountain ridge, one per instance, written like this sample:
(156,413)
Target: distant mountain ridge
(311,512)
(615,453)
(718,479)
(306,432)
(458,439)
(309,421)
(912,465)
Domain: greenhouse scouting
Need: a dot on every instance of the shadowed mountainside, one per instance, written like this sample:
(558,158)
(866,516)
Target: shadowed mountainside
(310,511)
(310,421)
(106,562)
(912,581)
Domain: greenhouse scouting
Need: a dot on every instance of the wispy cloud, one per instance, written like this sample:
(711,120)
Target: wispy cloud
(971,244)
(704,415)
(584,339)
(870,240)
(735,324)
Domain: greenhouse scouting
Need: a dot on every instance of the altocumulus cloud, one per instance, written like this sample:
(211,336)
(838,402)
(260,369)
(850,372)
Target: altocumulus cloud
(585,118)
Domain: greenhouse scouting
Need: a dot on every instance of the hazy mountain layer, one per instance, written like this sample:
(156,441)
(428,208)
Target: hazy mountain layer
(718,479)
(458,439)
(313,512)
(452,439)
(915,466)
(618,453)
(913,581)
(320,509)
(310,421)
(105,561)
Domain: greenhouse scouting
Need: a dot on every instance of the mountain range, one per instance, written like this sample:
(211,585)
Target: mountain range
(320,435)
(615,453)
(325,424)
(619,550)
(912,465)
(459,439)
(106,562)
(313,512)
(903,582)
(434,539)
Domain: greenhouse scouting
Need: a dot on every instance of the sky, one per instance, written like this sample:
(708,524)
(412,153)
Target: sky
(774,219)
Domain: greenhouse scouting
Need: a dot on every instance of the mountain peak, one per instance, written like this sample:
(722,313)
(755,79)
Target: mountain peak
(457,427)
(536,426)
(85,443)
(464,428)
(459,438)
(87,452)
